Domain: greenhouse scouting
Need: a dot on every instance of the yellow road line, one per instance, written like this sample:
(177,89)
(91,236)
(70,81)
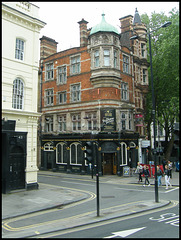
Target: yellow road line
(97,224)
(9,228)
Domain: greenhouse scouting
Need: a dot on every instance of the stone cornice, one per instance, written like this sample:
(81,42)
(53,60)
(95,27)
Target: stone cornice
(21,19)
(21,113)
(86,106)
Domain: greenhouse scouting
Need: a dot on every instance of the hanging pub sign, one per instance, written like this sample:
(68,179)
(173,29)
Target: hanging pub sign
(108,120)
(139,120)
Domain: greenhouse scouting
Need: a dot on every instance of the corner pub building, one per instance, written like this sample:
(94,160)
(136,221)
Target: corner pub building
(95,92)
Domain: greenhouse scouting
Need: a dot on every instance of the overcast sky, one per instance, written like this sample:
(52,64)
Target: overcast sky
(61,17)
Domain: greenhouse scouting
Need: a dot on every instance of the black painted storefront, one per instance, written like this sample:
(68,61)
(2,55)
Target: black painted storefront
(109,148)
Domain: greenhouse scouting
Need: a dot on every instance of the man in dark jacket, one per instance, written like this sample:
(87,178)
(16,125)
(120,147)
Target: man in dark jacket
(146,173)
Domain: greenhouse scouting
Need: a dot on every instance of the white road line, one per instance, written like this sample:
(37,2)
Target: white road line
(145,190)
(172,190)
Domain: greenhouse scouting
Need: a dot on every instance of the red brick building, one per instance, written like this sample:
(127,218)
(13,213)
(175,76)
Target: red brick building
(95,92)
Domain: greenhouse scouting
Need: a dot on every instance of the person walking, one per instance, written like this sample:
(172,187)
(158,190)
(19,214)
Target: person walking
(167,179)
(170,169)
(159,176)
(146,173)
(139,170)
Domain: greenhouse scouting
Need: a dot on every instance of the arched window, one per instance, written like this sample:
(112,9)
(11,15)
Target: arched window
(48,146)
(61,153)
(75,153)
(123,154)
(132,145)
(18,94)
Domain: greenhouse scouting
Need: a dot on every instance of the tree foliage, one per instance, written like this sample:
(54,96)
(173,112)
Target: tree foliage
(165,62)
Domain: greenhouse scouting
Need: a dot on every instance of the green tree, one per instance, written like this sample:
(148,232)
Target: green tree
(165,60)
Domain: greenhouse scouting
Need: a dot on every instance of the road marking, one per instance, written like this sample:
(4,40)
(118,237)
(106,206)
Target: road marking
(145,190)
(172,190)
(125,233)
(165,217)
(97,224)
(9,228)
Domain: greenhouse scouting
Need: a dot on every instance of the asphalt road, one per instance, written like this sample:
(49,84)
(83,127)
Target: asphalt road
(111,194)
(155,224)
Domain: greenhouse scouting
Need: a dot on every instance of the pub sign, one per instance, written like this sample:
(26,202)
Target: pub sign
(108,120)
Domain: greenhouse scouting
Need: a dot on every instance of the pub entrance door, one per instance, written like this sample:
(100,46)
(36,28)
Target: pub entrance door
(109,163)
(17,164)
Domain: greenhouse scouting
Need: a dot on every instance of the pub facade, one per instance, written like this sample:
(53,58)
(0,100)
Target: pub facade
(93,93)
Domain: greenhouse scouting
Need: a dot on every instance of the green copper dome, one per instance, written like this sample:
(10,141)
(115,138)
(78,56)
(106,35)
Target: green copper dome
(103,26)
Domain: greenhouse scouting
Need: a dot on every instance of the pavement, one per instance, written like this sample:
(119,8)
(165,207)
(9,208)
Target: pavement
(22,202)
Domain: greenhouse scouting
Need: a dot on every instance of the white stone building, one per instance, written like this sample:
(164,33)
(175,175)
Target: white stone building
(20,63)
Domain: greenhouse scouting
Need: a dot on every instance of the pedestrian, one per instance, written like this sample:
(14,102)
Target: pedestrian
(139,170)
(170,169)
(146,173)
(164,163)
(159,176)
(167,179)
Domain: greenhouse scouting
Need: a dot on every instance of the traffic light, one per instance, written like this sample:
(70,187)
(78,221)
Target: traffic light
(89,155)
(89,152)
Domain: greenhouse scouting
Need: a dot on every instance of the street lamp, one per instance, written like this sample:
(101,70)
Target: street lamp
(153,102)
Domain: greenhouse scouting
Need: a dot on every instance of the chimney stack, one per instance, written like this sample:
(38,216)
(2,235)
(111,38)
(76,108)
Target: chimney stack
(48,46)
(83,33)
(126,23)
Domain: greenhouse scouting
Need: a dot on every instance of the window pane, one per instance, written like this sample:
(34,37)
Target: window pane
(59,153)
(73,154)
(124,154)
(64,154)
(74,126)
(19,51)
(106,58)
(79,154)
(106,52)
(18,92)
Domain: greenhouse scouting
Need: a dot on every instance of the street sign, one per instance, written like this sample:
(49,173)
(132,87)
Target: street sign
(145,143)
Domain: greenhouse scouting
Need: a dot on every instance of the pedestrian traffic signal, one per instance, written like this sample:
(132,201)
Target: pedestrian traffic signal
(89,152)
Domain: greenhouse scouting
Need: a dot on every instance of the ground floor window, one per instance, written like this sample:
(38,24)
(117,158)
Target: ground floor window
(48,146)
(61,153)
(75,153)
(123,149)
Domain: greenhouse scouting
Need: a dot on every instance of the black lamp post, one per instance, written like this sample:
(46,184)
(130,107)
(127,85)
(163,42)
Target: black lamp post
(153,103)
